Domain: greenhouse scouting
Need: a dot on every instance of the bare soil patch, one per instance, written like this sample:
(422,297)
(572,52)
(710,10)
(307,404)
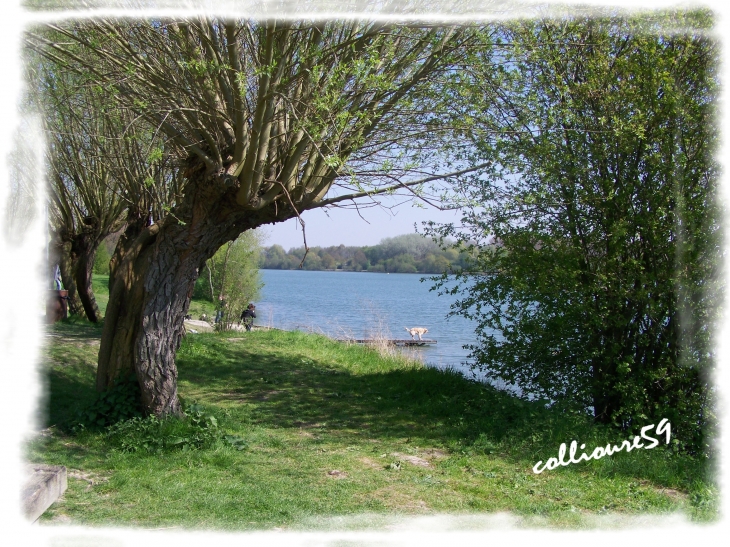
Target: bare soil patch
(413,460)
(337,474)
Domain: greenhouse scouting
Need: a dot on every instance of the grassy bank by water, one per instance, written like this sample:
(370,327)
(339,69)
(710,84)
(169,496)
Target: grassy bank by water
(323,429)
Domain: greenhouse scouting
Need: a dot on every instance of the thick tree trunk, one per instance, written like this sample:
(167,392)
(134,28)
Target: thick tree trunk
(148,302)
(154,270)
(124,307)
(68,266)
(84,248)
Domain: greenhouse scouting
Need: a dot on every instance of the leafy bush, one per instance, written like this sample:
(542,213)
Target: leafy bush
(201,291)
(196,431)
(233,274)
(121,402)
(482,445)
(579,295)
(704,500)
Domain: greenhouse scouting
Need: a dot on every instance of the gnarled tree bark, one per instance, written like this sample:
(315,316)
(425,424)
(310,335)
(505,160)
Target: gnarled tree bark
(83,250)
(153,274)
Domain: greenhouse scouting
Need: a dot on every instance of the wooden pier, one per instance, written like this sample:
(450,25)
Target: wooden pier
(401,342)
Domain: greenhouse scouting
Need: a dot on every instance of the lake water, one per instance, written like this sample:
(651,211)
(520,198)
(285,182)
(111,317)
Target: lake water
(365,305)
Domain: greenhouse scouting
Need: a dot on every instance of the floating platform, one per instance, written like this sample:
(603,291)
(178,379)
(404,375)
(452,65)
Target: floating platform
(401,342)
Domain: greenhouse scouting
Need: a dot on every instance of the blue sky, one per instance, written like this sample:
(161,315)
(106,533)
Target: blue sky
(344,226)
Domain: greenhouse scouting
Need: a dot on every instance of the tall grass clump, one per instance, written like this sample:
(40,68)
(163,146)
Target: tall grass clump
(379,335)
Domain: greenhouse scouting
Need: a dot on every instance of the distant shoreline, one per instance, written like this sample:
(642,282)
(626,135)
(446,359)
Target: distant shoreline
(341,270)
(407,253)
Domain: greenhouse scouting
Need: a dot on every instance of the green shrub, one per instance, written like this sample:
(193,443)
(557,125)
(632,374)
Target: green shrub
(201,291)
(482,445)
(121,402)
(197,430)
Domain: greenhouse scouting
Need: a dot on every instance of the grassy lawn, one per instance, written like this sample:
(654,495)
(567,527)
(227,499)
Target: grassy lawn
(334,430)
(100,284)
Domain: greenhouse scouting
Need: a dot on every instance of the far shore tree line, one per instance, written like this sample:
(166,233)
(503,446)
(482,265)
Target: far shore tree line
(584,146)
(408,253)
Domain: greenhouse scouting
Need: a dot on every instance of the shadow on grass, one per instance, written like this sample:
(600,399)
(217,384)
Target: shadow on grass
(75,328)
(290,381)
(69,392)
(436,408)
(292,388)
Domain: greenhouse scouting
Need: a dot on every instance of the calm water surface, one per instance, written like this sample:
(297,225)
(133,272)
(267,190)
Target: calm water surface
(364,305)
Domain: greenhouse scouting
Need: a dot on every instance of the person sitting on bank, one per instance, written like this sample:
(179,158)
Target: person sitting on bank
(247,316)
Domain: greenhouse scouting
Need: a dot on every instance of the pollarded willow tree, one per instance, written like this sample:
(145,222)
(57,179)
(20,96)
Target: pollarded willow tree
(275,118)
(86,203)
(108,169)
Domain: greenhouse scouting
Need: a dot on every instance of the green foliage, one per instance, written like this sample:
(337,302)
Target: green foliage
(198,430)
(705,500)
(101,291)
(101,260)
(119,403)
(481,445)
(597,227)
(408,253)
(233,274)
(201,291)
(153,434)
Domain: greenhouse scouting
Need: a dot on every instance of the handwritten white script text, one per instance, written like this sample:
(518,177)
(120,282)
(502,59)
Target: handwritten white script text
(600,451)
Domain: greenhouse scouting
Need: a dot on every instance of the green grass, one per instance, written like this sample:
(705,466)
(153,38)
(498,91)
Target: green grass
(100,286)
(307,406)
(198,307)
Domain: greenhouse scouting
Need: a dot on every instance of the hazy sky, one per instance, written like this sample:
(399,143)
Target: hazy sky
(344,226)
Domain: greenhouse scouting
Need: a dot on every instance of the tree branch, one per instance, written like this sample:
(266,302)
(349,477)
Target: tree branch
(387,189)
